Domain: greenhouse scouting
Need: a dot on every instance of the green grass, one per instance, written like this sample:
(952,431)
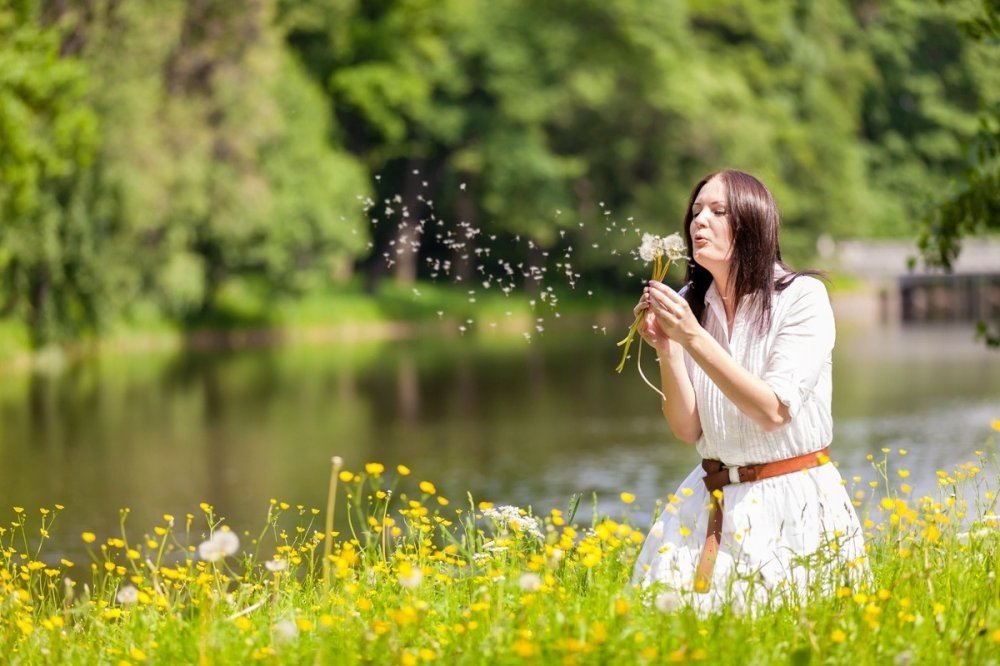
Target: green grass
(412,578)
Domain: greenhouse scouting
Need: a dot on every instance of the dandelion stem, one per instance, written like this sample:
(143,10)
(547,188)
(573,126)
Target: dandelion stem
(660,269)
(638,364)
(247,610)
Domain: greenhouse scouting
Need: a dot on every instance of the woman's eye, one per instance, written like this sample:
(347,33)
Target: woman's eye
(721,211)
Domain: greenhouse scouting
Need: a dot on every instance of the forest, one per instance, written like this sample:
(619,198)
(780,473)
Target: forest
(155,157)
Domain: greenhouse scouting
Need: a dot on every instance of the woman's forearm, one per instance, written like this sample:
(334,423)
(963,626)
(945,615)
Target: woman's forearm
(749,393)
(679,406)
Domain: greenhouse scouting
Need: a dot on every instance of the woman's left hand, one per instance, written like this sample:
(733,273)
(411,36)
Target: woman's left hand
(673,313)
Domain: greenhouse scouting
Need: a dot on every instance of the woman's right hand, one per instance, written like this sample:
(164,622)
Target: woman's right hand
(649,328)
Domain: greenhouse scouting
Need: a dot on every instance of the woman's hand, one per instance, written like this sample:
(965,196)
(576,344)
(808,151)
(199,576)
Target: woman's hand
(670,312)
(649,329)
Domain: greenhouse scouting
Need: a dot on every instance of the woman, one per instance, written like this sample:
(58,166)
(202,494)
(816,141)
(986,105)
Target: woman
(744,354)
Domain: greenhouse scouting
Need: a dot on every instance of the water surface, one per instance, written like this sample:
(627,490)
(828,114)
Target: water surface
(511,421)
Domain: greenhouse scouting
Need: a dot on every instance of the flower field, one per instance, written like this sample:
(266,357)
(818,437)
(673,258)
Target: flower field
(412,577)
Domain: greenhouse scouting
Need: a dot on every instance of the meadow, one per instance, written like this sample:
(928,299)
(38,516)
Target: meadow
(390,571)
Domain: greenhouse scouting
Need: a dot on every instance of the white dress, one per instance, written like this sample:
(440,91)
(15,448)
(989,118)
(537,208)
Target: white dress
(782,535)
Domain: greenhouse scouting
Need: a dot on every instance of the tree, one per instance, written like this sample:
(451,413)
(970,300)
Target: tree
(216,171)
(972,206)
(49,254)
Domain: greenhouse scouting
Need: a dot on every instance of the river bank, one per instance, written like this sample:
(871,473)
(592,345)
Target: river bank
(352,316)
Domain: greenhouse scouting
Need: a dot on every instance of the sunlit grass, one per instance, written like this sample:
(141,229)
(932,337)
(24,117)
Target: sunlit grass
(416,577)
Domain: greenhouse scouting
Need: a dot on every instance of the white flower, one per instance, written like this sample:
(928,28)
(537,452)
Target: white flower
(673,247)
(276,565)
(127,595)
(667,602)
(222,543)
(650,247)
(510,517)
(529,582)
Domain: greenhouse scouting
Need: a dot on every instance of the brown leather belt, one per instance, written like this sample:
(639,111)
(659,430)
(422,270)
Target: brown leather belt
(718,475)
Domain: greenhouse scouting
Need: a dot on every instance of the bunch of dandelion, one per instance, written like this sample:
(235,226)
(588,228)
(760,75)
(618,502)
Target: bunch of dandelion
(662,252)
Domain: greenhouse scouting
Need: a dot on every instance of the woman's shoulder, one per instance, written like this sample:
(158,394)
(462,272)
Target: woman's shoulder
(804,286)
(804,296)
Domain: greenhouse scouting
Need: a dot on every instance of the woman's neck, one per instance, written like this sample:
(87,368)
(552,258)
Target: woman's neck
(725,290)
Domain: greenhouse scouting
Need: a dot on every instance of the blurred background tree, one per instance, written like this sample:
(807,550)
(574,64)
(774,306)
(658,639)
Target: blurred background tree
(175,161)
(972,205)
(49,248)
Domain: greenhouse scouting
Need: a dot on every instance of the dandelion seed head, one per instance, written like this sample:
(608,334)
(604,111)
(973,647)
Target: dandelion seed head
(529,582)
(667,602)
(286,630)
(276,565)
(220,545)
(127,594)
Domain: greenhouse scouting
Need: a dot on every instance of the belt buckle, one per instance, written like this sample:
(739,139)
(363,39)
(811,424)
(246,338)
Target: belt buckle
(734,474)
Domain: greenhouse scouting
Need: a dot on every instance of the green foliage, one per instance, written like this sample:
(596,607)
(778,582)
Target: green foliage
(154,157)
(972,206)
(216,164)
(923,107)
(47,138)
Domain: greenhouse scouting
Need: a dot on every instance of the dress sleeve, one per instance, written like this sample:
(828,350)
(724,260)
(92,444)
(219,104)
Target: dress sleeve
(802,345)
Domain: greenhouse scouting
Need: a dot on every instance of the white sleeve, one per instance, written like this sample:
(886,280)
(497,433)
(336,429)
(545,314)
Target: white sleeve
(802,344)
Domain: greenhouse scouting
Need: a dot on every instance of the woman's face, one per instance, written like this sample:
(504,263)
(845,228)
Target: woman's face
(711,233)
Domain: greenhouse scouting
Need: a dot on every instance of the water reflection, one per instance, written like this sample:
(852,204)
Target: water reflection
(510,421)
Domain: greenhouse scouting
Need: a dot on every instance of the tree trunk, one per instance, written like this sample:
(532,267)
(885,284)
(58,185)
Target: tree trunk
(464,258)
(405,249)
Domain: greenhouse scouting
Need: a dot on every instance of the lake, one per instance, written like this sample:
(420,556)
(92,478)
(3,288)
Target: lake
(512,421)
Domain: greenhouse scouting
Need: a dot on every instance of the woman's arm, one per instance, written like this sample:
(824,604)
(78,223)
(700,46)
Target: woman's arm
(678,405)
(751,394)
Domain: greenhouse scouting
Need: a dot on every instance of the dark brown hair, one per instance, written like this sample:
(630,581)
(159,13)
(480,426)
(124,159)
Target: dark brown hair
(754,221)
